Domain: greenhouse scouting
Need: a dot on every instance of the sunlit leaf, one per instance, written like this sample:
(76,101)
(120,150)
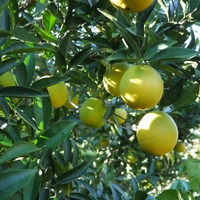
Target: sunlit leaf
(55,134)
(18,149)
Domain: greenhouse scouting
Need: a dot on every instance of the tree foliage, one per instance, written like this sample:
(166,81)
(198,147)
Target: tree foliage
(48,153)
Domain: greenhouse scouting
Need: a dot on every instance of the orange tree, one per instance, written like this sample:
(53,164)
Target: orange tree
(47,152)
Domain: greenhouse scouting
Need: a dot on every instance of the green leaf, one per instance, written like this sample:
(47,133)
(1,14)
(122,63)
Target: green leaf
(79,196)
(3,4)
(121,55)
(4,33)
(42,111)
(48,81)
(24,35)
(79,58)
(157,47)
(56,134)
(102,42)
(119,190)
(48,20)
(23,92)
(172,53)
(26,113)
(180,185)
(30,68)
(129,38)
(140,195)
(26,47)
(193,173)
(5,108)
(31,189)
(172,94)
(18,149)
(188,96)
(134,184)
(168,194)
(171,70)
(4,23)
(6,65)
(74,173)
(13,180)
(45,35)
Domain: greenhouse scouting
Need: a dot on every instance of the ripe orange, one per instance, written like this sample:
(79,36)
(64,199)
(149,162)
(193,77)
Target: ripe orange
(92,112)
(58,94)
(141,87)
(119,116)
(112,77)
(131,6)
(104,142)
(180,147)
(157,133)
(72,100)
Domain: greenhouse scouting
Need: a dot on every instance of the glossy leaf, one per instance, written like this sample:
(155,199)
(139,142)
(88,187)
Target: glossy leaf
(76,172)
(25,47)
(31,189)
(13,180)
(26,113)
(168,194)
(102,42)
(30,62)
(42,111)
(79,58)
(48,81)
(192,166)
(172,94)
(24,35)
(188,96)
(4,23)
(55,134)
(157,47)
(79,196)
(48,21)
(172,53)
(21,148)
(23,92)
(9,64)
(45,35)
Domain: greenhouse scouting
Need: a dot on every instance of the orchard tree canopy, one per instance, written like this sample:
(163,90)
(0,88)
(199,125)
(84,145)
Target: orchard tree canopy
(46,151)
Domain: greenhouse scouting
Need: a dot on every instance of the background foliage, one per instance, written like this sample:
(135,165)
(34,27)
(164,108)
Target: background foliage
(48,153)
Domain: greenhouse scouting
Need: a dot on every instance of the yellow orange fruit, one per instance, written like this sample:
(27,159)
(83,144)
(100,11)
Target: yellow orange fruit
(180,147)
(92,112)
(157,133)
(112,77)
(131,6)
(119,116)
(7,79)
(72,100)
(141,87)
(58,94)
